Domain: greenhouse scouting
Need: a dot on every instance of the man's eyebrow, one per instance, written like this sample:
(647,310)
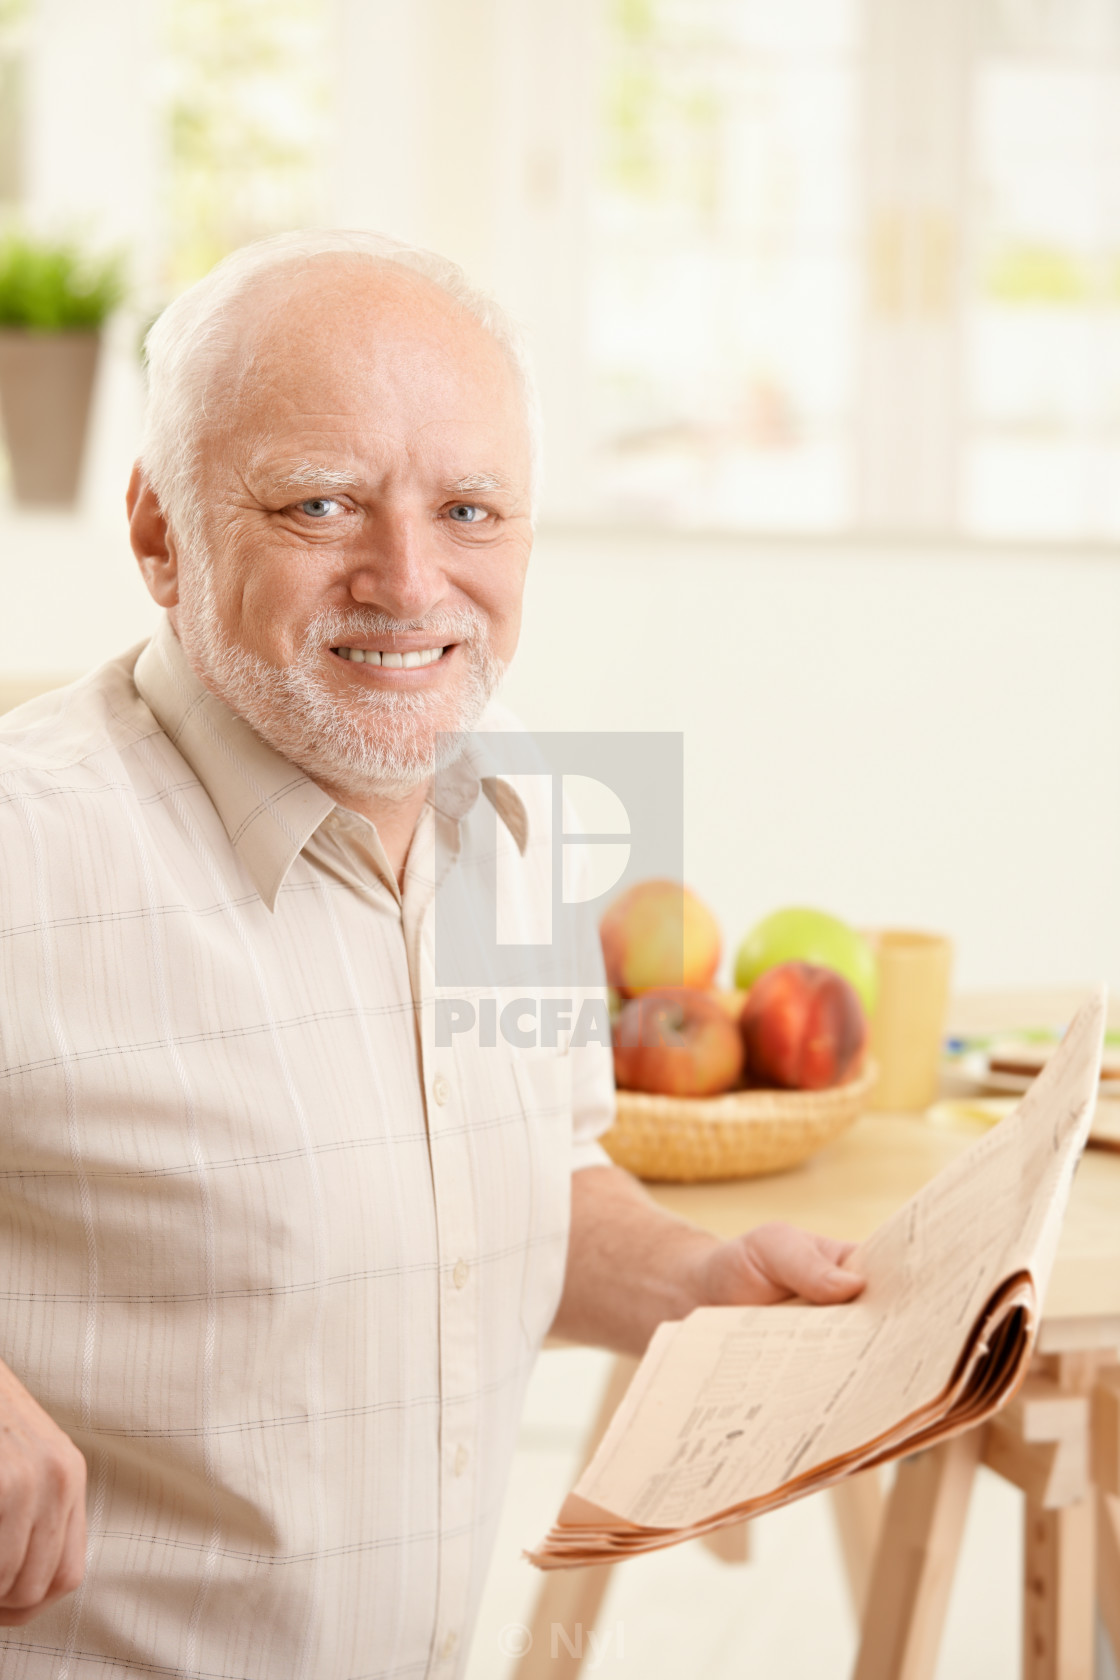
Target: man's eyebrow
(285,476)
(478,484)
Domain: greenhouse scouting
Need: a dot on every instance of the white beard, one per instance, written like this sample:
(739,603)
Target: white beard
(379,743)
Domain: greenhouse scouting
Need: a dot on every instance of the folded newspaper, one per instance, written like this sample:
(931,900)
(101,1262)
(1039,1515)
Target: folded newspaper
(737,1410)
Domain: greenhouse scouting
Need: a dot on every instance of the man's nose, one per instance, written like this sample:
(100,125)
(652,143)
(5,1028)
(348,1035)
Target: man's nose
(399,570)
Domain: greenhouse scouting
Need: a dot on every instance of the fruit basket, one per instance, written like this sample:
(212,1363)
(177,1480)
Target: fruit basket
(742,1134)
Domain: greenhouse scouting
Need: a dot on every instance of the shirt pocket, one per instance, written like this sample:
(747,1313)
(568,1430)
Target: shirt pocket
(544,1087)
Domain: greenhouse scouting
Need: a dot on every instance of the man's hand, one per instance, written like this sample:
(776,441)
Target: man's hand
(42,1507)
(775,1263)
(631,1265)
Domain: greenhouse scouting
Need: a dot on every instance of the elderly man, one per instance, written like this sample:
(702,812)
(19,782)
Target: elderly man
(276,1264)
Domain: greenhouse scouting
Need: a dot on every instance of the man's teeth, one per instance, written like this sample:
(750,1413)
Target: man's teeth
(406,661)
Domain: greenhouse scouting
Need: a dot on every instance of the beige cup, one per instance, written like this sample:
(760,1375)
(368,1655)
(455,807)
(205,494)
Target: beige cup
(909,1018)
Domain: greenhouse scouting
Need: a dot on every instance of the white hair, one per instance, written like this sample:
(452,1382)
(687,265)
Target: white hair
(197,334)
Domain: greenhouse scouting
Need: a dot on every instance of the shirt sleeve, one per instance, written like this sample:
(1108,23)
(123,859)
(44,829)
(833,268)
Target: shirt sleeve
(592,1097)
(593,1103)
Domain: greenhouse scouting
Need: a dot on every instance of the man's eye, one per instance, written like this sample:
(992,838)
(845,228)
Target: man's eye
(318,507)
(464,513)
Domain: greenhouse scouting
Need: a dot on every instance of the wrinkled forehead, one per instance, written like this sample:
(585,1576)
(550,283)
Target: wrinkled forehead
(352,342)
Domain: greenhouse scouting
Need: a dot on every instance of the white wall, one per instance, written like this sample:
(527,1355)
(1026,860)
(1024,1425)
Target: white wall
(70,593)
(909,737)
(923,738)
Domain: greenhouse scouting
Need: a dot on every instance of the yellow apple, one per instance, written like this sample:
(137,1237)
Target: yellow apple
(659,934)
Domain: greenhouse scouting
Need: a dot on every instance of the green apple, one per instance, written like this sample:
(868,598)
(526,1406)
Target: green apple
(810,936)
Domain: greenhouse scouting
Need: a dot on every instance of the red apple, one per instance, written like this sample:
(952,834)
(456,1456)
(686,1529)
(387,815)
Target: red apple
(659,934)
(678,1042)
(803,1027)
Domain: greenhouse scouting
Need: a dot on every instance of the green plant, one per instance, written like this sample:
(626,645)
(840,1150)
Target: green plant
(50,286)
(1040,274)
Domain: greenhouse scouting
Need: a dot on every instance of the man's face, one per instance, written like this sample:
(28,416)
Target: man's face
(364,501)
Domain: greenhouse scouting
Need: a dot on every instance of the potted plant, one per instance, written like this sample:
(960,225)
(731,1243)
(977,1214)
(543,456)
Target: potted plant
(53,304)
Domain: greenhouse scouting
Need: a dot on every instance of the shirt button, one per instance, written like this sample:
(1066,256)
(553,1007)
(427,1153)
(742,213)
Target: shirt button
(441,1090)
(449,1644)
(462,1459)
(461,1273)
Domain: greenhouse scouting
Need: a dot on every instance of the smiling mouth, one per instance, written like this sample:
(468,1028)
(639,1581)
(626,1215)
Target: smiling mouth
(410,661)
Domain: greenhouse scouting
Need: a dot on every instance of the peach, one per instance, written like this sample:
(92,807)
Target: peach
(659,934)
(803,1027)
(678,1042)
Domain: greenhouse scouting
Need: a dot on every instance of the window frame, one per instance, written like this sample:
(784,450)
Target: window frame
(918,231)
(481,148)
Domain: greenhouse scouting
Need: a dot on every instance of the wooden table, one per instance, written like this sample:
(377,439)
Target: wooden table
(1059,1440)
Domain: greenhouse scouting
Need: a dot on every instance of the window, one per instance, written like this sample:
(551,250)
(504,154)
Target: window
(723,284)
(247,124)
(1043,348)
(802,265)
(856,264)
(14,19)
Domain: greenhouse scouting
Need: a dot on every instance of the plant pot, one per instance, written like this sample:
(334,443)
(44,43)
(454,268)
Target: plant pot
(46,383)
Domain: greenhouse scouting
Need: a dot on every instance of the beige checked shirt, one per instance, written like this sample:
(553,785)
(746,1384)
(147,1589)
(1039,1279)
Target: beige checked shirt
(276,1261)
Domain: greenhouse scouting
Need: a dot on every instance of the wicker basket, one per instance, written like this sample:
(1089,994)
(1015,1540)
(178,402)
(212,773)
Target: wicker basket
(740,1135)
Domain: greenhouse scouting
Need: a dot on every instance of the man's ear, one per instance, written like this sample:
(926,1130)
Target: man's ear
(152,543)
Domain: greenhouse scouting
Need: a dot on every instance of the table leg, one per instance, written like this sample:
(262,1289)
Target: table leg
(1059,1597)
(857,1506)
(1059,1570)
(569,1600)
(915,1559)
(1108,1567)
(567,1608)
(1106,1476)
(731,1544)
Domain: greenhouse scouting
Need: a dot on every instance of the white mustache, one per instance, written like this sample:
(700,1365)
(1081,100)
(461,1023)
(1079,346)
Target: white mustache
(334,628)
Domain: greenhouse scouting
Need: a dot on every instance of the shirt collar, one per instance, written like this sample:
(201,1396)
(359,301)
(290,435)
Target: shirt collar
(456,789)
(268,807)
